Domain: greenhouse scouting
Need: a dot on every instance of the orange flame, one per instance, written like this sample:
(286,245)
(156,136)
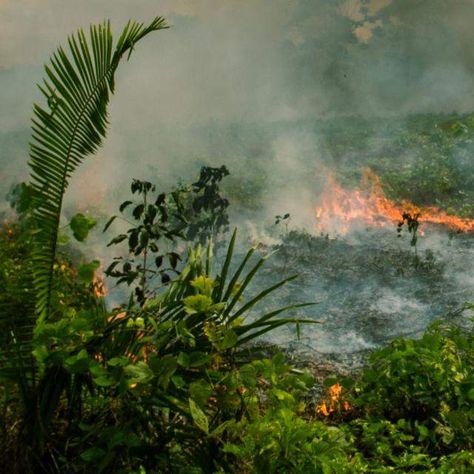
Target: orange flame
(98,283)
(341,208)
(335,392)
(334,403)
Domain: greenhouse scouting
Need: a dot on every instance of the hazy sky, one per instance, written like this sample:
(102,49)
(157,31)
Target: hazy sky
(258,59)
(246,62)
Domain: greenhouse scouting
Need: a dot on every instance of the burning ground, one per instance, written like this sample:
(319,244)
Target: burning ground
(356,258)
(372,280)
(340,209)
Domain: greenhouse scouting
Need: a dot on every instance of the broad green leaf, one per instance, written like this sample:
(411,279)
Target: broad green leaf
(93,454)
(183,360)
(78,363)
(163,368)
(200,392)
(198,359)
(199,417)
(97,370)
(118,361)
(230,339)
(104,381)
(178,381)
(81,225)
(138,373)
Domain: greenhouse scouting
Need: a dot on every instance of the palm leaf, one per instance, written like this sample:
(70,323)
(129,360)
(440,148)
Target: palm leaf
(69,128)
(169,306)
(225,268)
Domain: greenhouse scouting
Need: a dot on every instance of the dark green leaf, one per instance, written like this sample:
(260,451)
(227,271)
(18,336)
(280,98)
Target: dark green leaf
(124,205)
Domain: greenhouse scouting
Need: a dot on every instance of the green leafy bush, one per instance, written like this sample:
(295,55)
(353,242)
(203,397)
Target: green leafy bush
(161,221)
(279,434)
(415,403)
(429,382)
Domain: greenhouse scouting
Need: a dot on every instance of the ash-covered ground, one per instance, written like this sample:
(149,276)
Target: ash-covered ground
(371,287)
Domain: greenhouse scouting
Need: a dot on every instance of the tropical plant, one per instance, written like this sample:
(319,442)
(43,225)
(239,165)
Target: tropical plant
(206,212)
(162,221)
(140,378)
(71,127)
(280,434)
(190,347)
(155,229)
(213,306)
(427,382)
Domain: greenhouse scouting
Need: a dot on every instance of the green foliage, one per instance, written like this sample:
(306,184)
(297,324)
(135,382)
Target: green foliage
(81,225)
(207,214)
(21,198)
(187,213)
(175,360)
(154,225)
(278,435)
(440,171)
(16,298)
(429,383)
(71,127)
(172,384)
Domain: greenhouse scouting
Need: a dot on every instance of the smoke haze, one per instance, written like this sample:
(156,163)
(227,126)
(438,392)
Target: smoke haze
(243,83)
(251,63)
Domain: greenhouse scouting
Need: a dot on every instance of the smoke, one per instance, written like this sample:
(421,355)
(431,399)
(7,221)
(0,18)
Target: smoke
(369,290)
(254,85)
(257,63)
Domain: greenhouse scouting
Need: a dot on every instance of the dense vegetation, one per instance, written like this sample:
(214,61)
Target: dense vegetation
(175,379)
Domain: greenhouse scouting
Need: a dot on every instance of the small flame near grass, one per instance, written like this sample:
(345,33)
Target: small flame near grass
(333,402)
(98,282)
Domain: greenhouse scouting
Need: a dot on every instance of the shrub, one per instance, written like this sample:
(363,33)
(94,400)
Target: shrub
(415,403)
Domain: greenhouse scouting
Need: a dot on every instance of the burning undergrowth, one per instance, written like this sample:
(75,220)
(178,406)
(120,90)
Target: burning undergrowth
(340,210)
(378,268)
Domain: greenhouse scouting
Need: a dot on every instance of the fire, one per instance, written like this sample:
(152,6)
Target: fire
(98,284)
(334,403)
(341,208)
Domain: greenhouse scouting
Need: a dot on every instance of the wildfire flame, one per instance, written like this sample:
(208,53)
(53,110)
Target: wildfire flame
(341,208)
(334,403)
(98,283)
(100,288)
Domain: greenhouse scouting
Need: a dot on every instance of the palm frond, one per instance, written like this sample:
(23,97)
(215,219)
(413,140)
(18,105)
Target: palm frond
(235,310)
(69,128)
